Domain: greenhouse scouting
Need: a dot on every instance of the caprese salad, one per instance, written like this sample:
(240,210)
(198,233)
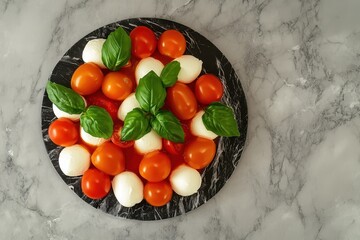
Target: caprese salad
(139,118)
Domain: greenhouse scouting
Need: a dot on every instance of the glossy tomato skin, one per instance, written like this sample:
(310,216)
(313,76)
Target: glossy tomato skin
(63,132)
(172,43)
(116,138)
(143,42)
(95,184)
(87,79)
(155,166)
(181,101)
(109,158)
(199,152)
(158,194)
(208,89)
(172,148)
(117,86)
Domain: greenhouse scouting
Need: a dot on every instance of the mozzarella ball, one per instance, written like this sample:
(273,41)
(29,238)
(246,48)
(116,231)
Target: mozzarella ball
(91,140)
(59,113)
(128,188)
(148,143)
(92,52)
(127,106)
(185,180)
(190,68)
(146,65)
(198,128)
(74,160)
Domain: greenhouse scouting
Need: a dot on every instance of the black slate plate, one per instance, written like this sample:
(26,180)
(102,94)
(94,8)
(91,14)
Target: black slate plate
(229,150)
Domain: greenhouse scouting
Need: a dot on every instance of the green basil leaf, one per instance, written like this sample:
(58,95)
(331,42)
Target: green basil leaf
(150,93)
(136,125)
(97,122)
(65,98)
(116,50)
(220,119)
(168,126)
(169,74)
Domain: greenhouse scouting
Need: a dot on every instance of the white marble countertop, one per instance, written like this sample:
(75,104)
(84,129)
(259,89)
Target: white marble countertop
(299,64)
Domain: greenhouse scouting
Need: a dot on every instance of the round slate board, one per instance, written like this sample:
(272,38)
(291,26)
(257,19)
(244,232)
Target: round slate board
(228,150)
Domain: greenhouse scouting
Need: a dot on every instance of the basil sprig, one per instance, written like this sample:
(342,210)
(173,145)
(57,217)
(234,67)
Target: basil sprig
(97,122)
(151,94)
(65,98)
(170,73)
(220,119)
(168,126)
(116,50)
(136,125)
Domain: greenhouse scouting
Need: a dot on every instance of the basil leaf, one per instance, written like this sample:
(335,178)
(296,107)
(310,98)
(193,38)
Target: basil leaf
(150,93)
(97,122)
(220,119)
(65,98)
(168,126)
(116,50)
(136,125)
(169,74)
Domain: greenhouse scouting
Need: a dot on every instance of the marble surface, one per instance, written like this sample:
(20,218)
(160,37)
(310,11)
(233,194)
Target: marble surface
(299,176)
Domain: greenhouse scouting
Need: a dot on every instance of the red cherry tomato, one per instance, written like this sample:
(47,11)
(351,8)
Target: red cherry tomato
(100,100)
(143,42)
(87,79)
(63,132)
(95,184)
(155,166)
(116,138)
(109,158)
(172,148)
(172,43)
(158,194)
(181,101)
(199,152)
(208,89)
(117,86)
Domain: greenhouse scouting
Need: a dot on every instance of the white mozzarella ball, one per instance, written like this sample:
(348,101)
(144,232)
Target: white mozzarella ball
(127,106)
(128,188)
(148,143)
(59,113)
(198,128)
(147,65)
(92,52)
(91,140)
(190,68)
(74,160)
(185,180)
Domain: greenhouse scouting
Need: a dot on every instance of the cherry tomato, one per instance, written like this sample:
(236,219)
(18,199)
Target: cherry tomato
(158,194)
(208,89)
(95,184)
(172,43)
(199,152)
(173,148)
(181,101)
(116,138)
(155,166)
(63,132)
(109,158)
(99,99)
(143,42)
(117,86)
(162,58)
(87,79)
